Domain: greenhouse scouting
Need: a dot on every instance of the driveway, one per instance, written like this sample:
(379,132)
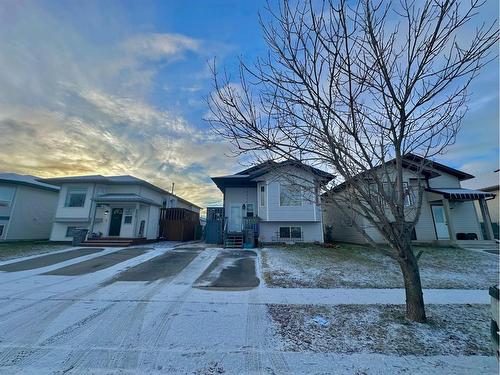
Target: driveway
(158,309)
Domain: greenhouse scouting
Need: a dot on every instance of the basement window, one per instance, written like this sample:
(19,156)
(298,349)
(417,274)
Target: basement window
(290,233)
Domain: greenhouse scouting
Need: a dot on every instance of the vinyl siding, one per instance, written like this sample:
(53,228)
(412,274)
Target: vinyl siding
(312,232)
(238,197)
(32,213)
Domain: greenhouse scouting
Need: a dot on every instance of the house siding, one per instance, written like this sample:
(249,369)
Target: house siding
(463,215)
(239,196)
(312,232)
(308,211)
(31,214)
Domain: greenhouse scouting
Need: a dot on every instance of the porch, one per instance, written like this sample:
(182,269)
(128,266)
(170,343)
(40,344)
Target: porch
(245,235)
(121,218)
(455,217)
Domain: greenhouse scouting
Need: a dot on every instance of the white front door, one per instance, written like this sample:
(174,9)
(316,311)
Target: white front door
(235,219)
(440,223)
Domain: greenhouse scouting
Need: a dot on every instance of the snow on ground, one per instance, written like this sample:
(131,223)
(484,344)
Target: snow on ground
(355,266)
(90,324)
(451,329)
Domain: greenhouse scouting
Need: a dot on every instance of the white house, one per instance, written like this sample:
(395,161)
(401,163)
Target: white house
(111,206)
(280,201)
(448,213)
(27,207)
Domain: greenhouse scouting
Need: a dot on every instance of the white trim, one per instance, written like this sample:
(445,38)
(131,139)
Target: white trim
(290,229)
(292,205)
(267,201)
(11,213)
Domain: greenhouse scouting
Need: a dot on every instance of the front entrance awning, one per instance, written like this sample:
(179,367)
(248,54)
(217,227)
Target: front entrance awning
(124,198)
(459,194)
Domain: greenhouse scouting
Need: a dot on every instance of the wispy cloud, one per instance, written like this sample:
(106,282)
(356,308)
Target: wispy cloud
(161,46)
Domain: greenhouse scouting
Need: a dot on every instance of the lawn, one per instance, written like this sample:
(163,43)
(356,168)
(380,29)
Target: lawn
(451,329)
(9,250)
(357,266)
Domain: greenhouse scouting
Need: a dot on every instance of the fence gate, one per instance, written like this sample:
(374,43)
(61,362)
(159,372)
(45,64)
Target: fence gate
(215,225)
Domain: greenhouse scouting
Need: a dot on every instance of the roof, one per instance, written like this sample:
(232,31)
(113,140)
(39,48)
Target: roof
(411,162)
(133,198)
(486,181)
(111,180)
(461,194)
(246,177)
(438,166)
(26,180)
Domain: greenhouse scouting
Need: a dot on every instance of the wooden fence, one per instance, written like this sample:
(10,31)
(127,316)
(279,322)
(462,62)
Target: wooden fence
(178,224)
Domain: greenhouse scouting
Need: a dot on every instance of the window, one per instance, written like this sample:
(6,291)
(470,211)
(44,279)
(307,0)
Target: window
(1,230)
(127,220)
(250,212)
(284,232)
(290,195)
(295,232)
(290,232)
(262,196)
(70,231)
(6,195)
(76,197)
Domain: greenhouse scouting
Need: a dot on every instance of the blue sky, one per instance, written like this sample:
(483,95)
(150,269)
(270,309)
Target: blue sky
(119,87)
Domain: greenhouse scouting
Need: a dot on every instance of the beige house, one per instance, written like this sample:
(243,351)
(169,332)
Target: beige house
(448,213)
(488,182)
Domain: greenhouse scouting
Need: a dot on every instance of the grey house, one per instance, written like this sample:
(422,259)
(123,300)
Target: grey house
(448,213)
(27,207)
(273,202)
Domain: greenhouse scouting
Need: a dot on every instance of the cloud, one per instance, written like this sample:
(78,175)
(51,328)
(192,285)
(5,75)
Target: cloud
(70,106)
(161,46)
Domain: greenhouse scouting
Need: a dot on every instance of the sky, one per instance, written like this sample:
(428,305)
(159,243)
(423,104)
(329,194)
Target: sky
(120,87)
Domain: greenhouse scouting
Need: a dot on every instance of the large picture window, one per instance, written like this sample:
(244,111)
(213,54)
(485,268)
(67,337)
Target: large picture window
(290,195)
(76,197)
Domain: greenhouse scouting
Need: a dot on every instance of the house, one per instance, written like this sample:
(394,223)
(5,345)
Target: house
(273,202)
(447,214)
(488,182)
(111,206)
(27,207)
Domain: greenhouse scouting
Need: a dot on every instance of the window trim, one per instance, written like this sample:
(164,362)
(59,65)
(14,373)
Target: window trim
(68,235)
(8,203)
(290,231)
(69,193)
(292,205)
(252,210)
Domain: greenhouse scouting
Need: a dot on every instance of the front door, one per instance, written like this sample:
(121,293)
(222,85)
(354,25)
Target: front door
(440,222)
(116,221)
(235,219)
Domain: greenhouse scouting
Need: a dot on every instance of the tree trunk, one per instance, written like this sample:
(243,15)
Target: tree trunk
(415,309)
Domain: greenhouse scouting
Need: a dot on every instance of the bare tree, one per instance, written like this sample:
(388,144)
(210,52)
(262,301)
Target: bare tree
(357,90)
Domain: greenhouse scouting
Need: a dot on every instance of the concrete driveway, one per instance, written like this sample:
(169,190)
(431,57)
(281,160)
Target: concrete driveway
(107,310)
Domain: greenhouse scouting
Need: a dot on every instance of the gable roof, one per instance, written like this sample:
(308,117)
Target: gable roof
(112,180)
(411,161)
(246,177)
(26,180)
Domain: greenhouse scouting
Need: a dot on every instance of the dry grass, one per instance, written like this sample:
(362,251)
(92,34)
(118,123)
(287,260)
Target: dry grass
(451,330)
(10,250)
(357,266)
